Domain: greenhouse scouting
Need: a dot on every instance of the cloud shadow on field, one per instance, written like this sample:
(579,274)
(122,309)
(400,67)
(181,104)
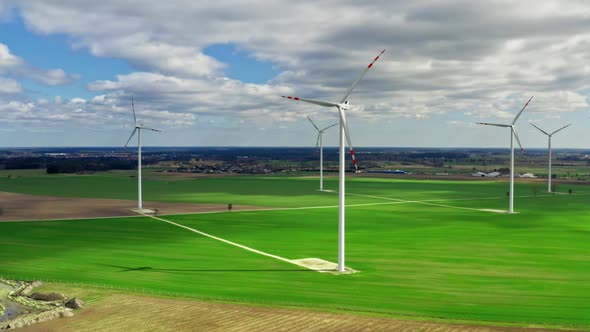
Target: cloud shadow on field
(152,269)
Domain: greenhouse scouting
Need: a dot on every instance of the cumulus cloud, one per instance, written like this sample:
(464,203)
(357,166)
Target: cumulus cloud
(9,86)
(220,97)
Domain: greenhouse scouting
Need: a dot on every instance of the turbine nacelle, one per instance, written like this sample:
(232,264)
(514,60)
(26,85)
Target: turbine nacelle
(138,126)
(344,106)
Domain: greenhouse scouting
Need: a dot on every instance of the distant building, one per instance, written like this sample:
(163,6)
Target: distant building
(486,175)
(528,175)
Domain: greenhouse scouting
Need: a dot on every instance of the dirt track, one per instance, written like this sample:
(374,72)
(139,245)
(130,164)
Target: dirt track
(120,312)
(29,207)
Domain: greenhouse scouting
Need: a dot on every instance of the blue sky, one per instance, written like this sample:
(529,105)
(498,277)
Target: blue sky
(213,73)
(54,51)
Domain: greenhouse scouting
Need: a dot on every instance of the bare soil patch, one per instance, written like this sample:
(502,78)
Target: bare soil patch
(320,265)
(20,207)
(120,312)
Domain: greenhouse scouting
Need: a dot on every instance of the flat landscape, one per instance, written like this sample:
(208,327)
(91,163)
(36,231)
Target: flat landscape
(425,249)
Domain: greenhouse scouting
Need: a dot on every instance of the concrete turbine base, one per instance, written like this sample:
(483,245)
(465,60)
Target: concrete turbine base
(321,265)
(144,211)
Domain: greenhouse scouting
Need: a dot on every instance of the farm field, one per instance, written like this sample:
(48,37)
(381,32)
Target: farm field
(425,249)
(114,311)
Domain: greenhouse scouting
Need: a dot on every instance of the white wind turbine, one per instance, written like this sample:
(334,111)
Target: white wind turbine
(342,106)
(549,139)
(513,135)
(138,128)
(320,145)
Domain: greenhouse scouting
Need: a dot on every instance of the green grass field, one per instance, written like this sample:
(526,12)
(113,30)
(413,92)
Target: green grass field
(416,260)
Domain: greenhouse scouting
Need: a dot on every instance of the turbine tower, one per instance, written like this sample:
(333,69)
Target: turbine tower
(320,145)
(549,139)
(342,106)
(138,128)
(513,135)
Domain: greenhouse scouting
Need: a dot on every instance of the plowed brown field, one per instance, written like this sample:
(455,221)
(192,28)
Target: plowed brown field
(31,207)
(117,312)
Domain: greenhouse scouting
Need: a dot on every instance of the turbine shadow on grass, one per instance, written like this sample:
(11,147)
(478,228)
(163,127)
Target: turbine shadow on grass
(151,269)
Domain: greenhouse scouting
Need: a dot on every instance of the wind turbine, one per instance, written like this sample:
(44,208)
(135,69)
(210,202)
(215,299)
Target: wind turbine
(342,106)
(513,135)
(549,139)
(320,144)
(138,128)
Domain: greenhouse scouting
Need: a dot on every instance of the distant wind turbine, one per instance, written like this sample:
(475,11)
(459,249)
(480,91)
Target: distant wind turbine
(513,135)
(549,139)
(320,145)
(138,128)
(342,106)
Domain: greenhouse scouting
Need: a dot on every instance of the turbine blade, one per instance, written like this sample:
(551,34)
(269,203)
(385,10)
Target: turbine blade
(130,137)
(133,108)
(360,78)
(493,124)
(328,127)
(313,101)
(152,129)
(349,91)
(347,134)
(518,141)
(317,142)
(522,110)
(541,130)
(316,127)
(560,129)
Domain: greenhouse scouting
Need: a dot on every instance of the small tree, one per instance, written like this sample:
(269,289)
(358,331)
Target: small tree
(570,191)
(229,207)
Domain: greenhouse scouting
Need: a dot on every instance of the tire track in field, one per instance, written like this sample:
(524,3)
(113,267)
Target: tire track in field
(315,264)
(423,202)
(221,239)
(429,201)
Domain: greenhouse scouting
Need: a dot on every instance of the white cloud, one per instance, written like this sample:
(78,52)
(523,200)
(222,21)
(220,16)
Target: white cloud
(7,59)
(9,86)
